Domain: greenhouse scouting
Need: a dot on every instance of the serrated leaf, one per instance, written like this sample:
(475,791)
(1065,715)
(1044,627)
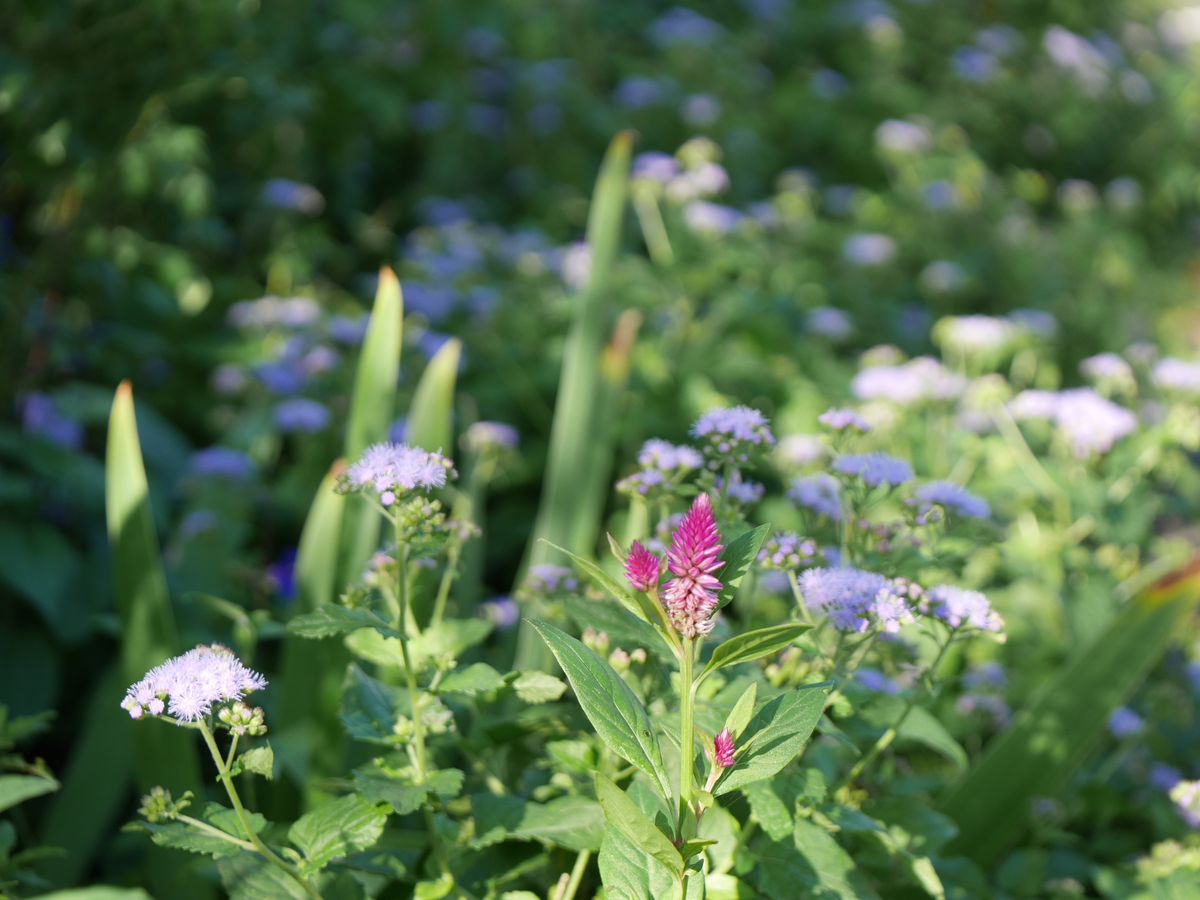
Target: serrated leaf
(575,823)
(448,639)
(259,760)
(369,708)
(775,736)
(227,820)
(446,783)
(337,829)
(401,794)
(625,816)
(609,704)
(752,645)
(739,556)
(16,789)
(478,678)
(329,620)
(739,716)
(538,687)
(181,836)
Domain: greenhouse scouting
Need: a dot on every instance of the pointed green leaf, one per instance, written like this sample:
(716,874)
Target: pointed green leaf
(16,789)
(738,557)
(1051,738)
(609,703)
(752,645)
(336,830)
(739,716)
(257,760)
(328,620)
(369,708)
(775,736)
(625,816)
(431,415)
(538,687)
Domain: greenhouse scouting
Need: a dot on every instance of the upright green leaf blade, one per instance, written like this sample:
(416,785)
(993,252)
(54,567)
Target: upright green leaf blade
(578,433)
(1051,738)
(738,557)
(625,816)
(372,408)
(610,705)
(753,645)
(431,416)
(777,733)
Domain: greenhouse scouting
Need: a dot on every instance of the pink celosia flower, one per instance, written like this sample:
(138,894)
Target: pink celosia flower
(723,749)
(691,596)
(641,568)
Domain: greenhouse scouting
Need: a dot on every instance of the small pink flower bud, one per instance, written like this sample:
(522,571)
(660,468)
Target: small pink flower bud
(723,749)
(641,568)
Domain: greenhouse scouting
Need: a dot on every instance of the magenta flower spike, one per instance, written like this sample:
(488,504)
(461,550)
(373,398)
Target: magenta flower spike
(641,568)
(690,597)
(723,749)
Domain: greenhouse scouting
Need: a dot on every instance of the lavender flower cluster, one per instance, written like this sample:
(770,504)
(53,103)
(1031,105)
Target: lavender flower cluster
(1089,423)
(392,468)
(189,686)
(733,434)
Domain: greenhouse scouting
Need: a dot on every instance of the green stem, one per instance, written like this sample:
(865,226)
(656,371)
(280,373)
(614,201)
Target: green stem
(581,862)
(217,833)
(448,576)
(653,229)
(687,741)
(885,740)
(240,811)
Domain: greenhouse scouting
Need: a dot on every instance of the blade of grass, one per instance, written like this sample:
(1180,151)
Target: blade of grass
(372,409)
(1051,739)
(571,466)
(162,755)
(431,416)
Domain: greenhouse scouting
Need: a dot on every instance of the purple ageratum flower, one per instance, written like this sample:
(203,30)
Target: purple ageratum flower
(843,420)
(189,686)
(41,416)
(723,749)
(293,196)
(690,597)
(548,579)
(970,335)
(348,330)
(710,219)
(974,65)
(274,312)
(1108,367)
(1124,722)
(739,491)
(827,84)
(282,377)
(388,468)
(846,596)
(1090,423)
(1037,322)
(988,675)
(800,450)
(301,415)
(1033,404)
(868,250)
(667,457)
(679,27)
(575,266)
(1186,797)
(919,380)
(221,462)
(1177,375)
(654,166)
(733,433)
(953,498)
(482,437)
(701,110)
(876,682)
(502,612)
(642,568)
(960,608)
(1164,777)
(830,322)
(875,469)
(819,493)
(900,137)
(281,575)
(705,180)
(785,551)
(637,92)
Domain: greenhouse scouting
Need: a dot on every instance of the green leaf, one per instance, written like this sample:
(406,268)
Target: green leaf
(1051,738)
(446,783)
(372,410)
(181,836)
(258,760)
(739,556)
(739,716)
(477,678)
(369,708)
(330,619)
(775,736)
(625,816)
(636,604)
(752,645)
(625,629)
(445,641)
(629,873)
(16,789)
(99,892)
(768,810)
(923,727)
(430,416)
(248,876)
(834,870)
(609,703)
(333,831)
(538,687)
(581,436)
(402,794)
(575,823)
